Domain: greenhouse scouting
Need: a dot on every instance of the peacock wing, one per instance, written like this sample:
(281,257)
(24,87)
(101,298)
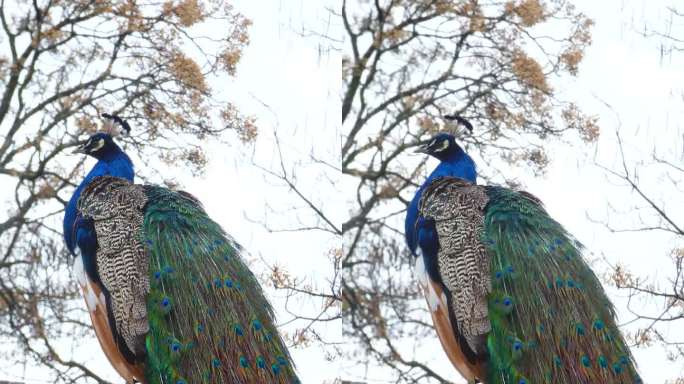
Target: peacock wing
(458,265)
(115,207)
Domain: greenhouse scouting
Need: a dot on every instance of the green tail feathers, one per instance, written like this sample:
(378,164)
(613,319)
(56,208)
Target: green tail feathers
(551,320)
(209,320)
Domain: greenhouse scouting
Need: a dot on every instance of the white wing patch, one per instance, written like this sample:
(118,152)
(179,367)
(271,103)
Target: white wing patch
(424,279)
(443,297)
(90,298)
(419,269)
(79,272)
(432,298)
(92,301)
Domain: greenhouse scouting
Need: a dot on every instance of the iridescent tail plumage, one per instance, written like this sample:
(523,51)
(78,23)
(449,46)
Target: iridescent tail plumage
(551,319)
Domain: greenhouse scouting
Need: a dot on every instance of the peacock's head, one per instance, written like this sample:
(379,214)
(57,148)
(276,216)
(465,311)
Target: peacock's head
(442,146)
(101,144)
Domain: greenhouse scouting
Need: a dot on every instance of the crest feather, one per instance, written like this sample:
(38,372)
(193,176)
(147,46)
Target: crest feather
(115,126)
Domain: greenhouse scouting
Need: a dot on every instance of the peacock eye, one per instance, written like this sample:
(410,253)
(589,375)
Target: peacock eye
(444,145)
(97,146)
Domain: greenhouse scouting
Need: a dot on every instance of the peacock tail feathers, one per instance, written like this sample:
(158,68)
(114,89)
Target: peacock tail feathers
(208,320)
(205,304)
(549,319)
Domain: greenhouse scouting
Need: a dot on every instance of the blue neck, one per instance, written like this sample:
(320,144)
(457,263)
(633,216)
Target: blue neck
(455,165)
(115,163)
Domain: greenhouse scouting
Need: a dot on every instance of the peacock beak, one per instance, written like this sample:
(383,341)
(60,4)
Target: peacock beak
(425,148)
(81,148)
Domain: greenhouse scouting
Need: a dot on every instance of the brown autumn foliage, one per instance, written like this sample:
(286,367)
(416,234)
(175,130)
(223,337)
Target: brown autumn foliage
(62,64)
(406,64)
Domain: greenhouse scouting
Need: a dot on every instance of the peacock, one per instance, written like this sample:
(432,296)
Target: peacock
(511,297)
(169,295)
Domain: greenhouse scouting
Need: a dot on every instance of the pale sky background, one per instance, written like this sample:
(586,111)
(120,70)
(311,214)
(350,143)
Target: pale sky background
(289,81)
(625,70)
